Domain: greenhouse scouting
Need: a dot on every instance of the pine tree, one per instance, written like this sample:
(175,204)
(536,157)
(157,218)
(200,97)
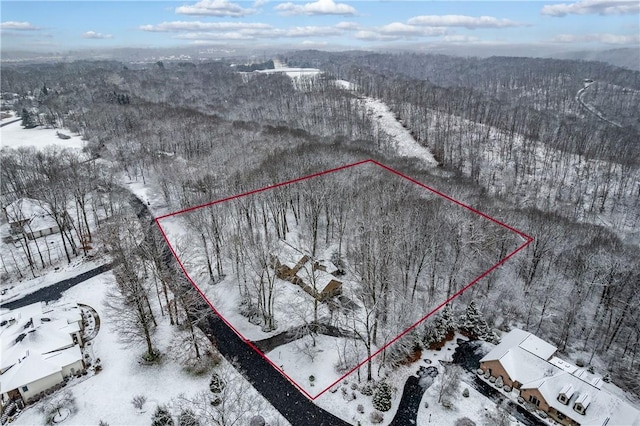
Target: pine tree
(162,417)
(217,384)
(475,326)
(188,418)
(448,320)
(28,119)
(382,397)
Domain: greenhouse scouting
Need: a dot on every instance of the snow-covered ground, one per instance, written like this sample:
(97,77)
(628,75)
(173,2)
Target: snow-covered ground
(399,137)
(293,72)
(15,136)
(15,290)
(107,395)
(532,173)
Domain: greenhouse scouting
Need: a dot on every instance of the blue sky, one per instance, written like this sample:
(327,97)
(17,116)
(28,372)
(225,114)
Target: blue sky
(59,26)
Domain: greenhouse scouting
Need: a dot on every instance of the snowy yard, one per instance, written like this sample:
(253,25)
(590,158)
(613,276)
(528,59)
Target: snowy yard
(107,395)
(15,136)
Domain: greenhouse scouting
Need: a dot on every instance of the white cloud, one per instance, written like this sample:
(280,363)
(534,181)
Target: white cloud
(219,8)
(368,35)
(319,7)
(176,26)
(459,38)
(312,31)
(226,35)
(470,22)
(348,26)
(400,29)
(253,34)
(95,35)
(605,38)
(312,43)
(593,7)
(260,3)
(19,26)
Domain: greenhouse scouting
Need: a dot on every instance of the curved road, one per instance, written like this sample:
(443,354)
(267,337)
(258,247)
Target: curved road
(273,386)
(281,393)
(592,110)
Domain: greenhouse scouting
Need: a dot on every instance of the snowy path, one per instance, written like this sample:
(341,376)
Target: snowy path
(54,291)
(592,110)
(272,385)
(387,123)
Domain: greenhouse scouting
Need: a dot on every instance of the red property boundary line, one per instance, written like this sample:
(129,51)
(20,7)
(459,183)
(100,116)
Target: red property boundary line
(528,239)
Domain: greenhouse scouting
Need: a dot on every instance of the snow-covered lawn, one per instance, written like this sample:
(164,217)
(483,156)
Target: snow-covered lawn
(107,395)
(14,290)
(15,136)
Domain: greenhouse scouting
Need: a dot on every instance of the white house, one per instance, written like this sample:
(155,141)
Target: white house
(570,395)
(40,347)
(31,217)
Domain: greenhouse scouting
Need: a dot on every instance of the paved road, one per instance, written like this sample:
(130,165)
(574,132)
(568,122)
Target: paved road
(592,110)
(468,356)
(281,393)
(273,386)
(285,398)
(414,389)
(54,292)
(9,122)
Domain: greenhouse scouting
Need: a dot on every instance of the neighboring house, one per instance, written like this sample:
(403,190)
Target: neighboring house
(40,347)
(31,217)
(568,394)
(287,260)
(291,264)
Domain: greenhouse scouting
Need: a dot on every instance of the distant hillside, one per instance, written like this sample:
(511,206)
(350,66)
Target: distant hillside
(626,58)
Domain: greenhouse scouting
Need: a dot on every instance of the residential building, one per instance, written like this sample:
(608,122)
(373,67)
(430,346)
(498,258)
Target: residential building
(568,394)
(41,346)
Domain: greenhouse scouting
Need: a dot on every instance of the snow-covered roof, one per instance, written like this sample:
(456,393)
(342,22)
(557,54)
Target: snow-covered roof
(39,223)
(602,407)
(36,329)
(323,279)
(523,366)
(523,340)
(563,365)
(538,347)
(328,266)
(32,368)
(508,341)
(64,357)
(529,360)
(26,209)
(288,255)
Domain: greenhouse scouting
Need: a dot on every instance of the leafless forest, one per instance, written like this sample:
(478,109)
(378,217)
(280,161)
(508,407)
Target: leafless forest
(512,136)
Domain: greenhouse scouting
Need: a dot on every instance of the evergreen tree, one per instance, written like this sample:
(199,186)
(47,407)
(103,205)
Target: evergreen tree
(28,119)
(442,328)
(382,397)
(188,418)
(217,384)
(449,322)
(162,417)
(475,326)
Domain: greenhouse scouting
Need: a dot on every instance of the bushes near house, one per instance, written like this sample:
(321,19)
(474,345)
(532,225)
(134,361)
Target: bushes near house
(382,397)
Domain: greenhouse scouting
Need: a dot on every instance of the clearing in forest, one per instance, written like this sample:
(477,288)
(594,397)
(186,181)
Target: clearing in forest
(322,273)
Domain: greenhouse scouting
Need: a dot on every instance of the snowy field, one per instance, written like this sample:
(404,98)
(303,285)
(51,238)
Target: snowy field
(15,136)
(386,124)
(107,395)
(15,290)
